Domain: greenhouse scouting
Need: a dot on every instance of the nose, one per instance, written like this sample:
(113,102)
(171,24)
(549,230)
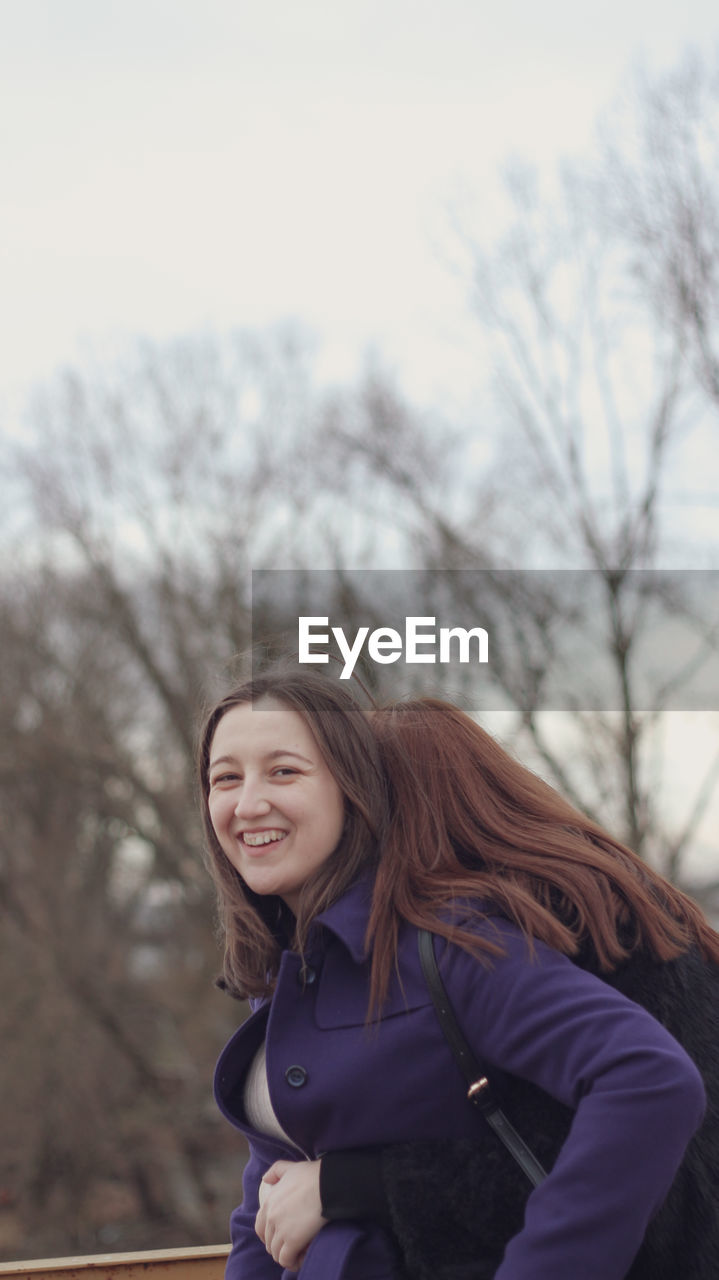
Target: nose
(252,802)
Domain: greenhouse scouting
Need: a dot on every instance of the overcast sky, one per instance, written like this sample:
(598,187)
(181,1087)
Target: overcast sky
(169,165)
(174,164)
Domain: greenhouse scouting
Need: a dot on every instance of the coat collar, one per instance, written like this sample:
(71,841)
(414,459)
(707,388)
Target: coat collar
(347,917)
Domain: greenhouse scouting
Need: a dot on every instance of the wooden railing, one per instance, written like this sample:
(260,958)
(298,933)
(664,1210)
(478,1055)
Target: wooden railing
(176,1264)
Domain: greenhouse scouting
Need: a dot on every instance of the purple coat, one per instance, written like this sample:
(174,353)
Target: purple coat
(336,1082)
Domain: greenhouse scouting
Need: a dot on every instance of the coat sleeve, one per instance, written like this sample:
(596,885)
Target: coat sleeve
(248,1259)
(638,1099)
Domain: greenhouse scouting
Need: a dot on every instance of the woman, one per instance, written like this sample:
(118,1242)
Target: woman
(322,886)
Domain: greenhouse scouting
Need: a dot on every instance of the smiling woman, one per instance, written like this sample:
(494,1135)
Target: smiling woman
(276,809)
(334,837)
(294,802)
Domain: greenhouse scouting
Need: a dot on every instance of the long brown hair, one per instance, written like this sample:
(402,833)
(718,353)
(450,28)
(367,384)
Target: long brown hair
(469,822)
(256,927)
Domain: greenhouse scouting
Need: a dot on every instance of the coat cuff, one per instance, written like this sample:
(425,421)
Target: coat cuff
(351,1185)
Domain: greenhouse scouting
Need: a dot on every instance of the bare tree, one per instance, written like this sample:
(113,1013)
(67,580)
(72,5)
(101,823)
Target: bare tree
(147,491)
(663,157)
(593,404)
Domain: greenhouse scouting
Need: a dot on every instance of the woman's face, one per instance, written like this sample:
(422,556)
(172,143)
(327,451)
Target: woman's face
(275,807)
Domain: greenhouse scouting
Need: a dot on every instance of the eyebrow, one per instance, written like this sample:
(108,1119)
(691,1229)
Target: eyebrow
(271,755)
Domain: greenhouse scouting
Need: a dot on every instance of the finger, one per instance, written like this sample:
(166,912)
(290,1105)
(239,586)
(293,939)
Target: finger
(289,1258)
(276,1170)
(271,1240)
(276,1246)
(261,1225)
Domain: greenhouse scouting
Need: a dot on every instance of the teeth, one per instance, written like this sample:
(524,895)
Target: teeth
(254,838)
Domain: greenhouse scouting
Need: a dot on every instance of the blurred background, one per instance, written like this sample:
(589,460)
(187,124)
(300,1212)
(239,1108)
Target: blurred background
(326,286)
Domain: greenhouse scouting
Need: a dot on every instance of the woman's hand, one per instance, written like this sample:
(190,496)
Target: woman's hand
(290,1213)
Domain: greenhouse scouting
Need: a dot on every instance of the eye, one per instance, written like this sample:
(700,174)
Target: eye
(222,778)
(284,770)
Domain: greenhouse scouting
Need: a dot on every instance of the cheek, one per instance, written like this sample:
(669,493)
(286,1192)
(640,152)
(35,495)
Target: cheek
(220,810)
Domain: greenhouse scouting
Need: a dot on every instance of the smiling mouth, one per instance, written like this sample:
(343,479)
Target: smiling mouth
(253,839)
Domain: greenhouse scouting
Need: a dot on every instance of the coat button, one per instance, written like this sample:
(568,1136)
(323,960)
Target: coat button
(296,1077)
(307,976)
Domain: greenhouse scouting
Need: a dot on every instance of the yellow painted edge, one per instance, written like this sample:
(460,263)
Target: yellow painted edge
(110,1261)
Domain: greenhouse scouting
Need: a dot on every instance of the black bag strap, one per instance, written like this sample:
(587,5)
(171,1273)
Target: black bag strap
(480,1090)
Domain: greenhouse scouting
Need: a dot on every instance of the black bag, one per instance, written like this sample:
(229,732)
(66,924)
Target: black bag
(456,1204)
